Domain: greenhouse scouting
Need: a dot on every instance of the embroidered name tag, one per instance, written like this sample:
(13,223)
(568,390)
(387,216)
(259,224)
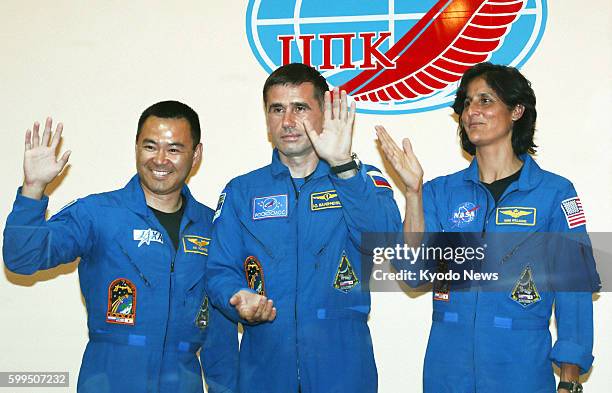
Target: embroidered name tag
(324,200)
(196,244)
(515,216)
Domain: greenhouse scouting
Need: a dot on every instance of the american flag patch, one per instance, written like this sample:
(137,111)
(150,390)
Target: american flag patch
(572,208)
(378,179)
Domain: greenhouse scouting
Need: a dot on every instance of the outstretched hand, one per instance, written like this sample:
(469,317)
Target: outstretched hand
(403,161)
(333,143)
(252,307)
(40,162)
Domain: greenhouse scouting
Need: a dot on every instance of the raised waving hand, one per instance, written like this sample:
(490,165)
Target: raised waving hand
(333,143)
(403,161)
(40,161)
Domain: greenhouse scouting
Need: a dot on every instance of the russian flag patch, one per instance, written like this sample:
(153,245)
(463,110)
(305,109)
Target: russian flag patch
(378,179)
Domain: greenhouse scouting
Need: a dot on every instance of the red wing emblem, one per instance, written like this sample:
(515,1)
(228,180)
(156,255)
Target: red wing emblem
(453,36)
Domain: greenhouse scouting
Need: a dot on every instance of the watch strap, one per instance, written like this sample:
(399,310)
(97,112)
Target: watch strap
(572,387)
(353,164)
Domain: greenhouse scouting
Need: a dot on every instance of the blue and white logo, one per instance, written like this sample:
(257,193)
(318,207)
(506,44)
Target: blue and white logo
(464,214)
(395,56)
(273,206)
(146,236)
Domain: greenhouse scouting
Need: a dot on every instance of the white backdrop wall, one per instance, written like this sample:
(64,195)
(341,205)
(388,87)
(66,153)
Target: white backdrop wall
(96,65)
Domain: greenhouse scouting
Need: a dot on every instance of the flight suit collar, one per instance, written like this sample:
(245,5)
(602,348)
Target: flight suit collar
(531,173)
(280,169)
(134,198)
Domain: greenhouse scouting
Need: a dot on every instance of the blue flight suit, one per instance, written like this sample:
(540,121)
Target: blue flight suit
(146,309)
(488,341)
(305,236)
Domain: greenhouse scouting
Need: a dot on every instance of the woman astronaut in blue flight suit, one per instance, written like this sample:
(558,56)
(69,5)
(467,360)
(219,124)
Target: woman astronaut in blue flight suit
(498,341)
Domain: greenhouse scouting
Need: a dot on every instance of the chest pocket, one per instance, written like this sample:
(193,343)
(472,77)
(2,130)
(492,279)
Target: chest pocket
(141,252)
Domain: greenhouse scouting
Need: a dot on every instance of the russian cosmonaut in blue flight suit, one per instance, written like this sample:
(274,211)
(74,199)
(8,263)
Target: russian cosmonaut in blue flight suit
(142,264)
(291,232)
(494,337)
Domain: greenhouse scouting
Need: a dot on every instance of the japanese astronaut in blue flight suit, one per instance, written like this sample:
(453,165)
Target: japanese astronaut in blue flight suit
(291,232)
(499,341)
(142,280)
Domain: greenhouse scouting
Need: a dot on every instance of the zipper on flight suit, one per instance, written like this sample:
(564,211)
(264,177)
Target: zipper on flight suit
(297,267)
(484,231)
(175,252)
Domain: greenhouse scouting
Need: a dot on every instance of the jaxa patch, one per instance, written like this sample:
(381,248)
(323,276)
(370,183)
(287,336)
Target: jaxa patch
(324,200)
(196,244)
(201,320)
(345,279)
(378,179)
(219,206)
(525,292)
(121,307)
(146,236)
(254,275)
(515,216)
(274,206)
(464,214)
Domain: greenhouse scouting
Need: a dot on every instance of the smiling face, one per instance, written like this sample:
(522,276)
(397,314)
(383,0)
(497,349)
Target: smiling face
(165,155)
(486,118)
(287,106)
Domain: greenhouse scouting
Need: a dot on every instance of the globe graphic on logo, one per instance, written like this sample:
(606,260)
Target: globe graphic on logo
(269,204)
(394,56)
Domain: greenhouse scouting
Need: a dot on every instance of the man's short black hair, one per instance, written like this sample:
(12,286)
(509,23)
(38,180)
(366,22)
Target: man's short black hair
(296,74)
(173,110)
(513,89)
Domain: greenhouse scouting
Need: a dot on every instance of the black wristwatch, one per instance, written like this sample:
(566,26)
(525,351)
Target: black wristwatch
(353,164)
(572,387)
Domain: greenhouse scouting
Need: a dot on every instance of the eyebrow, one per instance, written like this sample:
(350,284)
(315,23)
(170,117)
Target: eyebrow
(275,105)
(484,93)
(295,103)
(151,141)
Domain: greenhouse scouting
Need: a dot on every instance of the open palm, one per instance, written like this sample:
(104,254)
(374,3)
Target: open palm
(403,161)
(333,143)
(40,162)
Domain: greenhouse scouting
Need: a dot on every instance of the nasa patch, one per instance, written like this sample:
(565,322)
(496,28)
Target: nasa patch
(394,56)
(273,206)
(121,308)
(254,275)
(463,215)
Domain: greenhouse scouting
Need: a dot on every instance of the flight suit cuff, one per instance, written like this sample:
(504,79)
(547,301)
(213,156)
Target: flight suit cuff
(34,205)
(355,185)
(569,352)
